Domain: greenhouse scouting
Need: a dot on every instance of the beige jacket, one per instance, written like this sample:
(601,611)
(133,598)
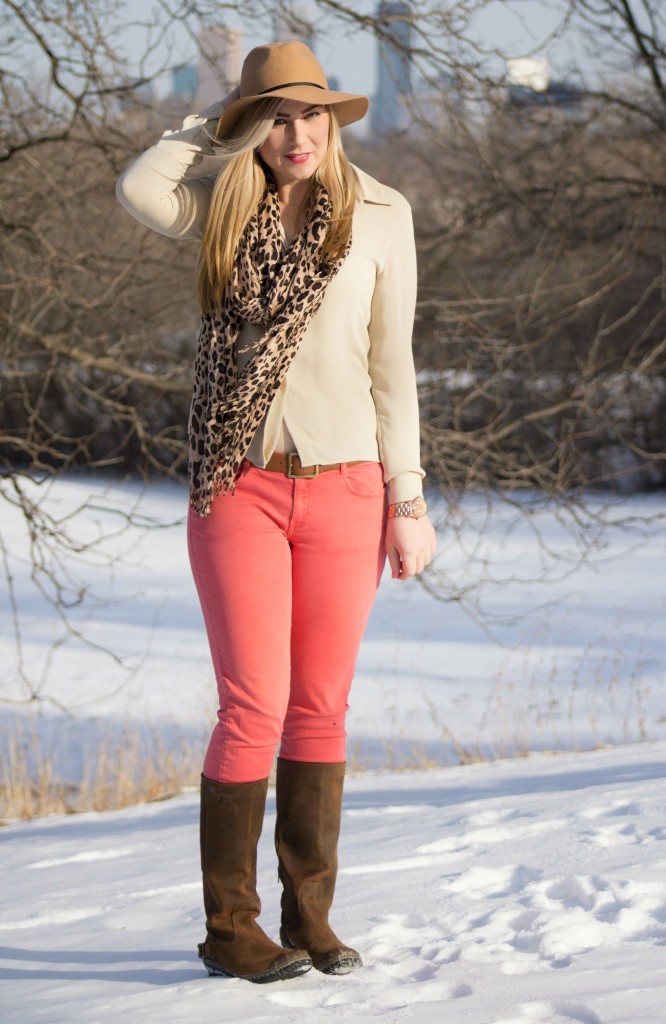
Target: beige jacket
(350,392)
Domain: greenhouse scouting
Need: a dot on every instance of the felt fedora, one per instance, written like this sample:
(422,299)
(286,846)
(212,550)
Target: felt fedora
(288,71)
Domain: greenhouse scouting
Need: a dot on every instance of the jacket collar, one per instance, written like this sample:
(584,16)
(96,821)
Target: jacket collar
(371,190)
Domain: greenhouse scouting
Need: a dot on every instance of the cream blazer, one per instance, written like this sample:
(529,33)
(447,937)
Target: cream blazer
(350,392)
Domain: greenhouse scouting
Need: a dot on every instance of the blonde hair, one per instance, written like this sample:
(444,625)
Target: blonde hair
(240,186)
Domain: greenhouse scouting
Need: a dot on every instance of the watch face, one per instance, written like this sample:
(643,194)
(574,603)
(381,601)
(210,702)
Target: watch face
(418,507)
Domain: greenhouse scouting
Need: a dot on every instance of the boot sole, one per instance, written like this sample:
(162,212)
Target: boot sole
(342,965)
(291,970)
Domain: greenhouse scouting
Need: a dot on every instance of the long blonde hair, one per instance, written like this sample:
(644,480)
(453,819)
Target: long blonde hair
(240,186)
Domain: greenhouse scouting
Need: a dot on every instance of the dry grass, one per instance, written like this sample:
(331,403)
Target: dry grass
(535,703)
(135,768)
(132,768)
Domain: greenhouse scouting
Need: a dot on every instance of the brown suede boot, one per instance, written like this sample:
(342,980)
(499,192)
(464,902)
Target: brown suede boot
(231,819)
(309,802)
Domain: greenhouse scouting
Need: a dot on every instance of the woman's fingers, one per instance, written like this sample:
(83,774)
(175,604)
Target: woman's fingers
(410,546)
(394,561)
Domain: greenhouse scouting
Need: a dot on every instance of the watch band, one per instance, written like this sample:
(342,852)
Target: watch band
(415,508)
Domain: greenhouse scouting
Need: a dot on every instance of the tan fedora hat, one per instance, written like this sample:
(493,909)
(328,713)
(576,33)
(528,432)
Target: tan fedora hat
(289,71)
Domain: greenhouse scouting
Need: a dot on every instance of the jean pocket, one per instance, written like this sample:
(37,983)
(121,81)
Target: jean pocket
(364,480)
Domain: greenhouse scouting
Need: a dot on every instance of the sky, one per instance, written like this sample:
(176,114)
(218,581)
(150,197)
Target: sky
(519,27)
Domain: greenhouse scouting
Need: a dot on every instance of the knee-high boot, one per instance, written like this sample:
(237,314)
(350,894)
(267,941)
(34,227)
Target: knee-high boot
(231,820)
(309,802)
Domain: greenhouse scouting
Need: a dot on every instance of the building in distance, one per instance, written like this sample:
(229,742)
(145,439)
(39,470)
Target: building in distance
(389,111)
(219,65)
(185,81)
(530,85)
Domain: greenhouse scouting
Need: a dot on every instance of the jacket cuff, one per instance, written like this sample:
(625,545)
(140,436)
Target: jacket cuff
(405,486)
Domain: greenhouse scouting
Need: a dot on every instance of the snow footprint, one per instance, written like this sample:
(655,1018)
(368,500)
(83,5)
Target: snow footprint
(614,831)
(368,992)
(616,809)
(588,911)
(472,832)
(559,1012)
(478,883)
(405,957)
(546,923)
(574,914)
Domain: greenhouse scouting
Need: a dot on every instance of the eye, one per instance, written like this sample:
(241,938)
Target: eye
(312,114)
(280,121)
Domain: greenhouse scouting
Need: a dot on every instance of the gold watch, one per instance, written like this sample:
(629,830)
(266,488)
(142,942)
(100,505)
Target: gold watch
(415,509)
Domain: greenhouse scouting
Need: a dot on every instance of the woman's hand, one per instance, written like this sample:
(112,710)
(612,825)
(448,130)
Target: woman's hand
(410,545)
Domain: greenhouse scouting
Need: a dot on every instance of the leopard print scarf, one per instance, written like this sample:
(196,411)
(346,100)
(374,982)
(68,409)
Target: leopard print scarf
(277,290)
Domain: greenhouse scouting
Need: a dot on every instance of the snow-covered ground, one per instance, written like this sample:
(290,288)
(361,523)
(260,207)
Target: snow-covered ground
(512,892)
(529,891)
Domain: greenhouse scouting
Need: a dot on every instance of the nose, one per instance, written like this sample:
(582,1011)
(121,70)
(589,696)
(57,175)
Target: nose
(296,130)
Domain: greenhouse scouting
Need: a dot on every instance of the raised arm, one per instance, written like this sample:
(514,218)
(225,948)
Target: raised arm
(168,187)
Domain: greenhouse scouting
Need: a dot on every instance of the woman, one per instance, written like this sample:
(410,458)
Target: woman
(304,410)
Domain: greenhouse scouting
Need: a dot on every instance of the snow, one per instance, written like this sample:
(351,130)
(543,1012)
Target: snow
(514,891)
(525,890)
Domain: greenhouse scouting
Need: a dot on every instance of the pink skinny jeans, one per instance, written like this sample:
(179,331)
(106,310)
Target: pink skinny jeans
(286,572)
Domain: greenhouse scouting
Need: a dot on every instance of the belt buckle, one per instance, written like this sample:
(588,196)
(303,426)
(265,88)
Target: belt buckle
(299,476)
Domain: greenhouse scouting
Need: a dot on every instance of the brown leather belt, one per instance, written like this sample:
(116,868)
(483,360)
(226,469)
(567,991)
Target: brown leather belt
(290,464)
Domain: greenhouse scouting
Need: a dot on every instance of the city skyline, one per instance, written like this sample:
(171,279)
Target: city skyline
(220,58)
(349,56)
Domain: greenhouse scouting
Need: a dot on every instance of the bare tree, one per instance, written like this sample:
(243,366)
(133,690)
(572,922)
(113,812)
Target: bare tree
(540,335)
(88,303)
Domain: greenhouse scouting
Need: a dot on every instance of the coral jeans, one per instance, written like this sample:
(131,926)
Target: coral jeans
(286,572)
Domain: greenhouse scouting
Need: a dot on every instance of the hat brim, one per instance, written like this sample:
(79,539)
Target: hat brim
(348,107)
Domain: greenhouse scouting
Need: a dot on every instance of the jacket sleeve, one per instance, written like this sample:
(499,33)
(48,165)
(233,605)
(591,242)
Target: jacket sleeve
(168,187)
(392,363)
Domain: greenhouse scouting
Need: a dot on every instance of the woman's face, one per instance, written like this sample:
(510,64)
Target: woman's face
(297,142)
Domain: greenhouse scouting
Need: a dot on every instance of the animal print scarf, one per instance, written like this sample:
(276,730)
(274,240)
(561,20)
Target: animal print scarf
(277,290)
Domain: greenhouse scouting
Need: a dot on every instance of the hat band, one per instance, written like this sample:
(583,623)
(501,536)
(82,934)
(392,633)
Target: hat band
(288,85)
